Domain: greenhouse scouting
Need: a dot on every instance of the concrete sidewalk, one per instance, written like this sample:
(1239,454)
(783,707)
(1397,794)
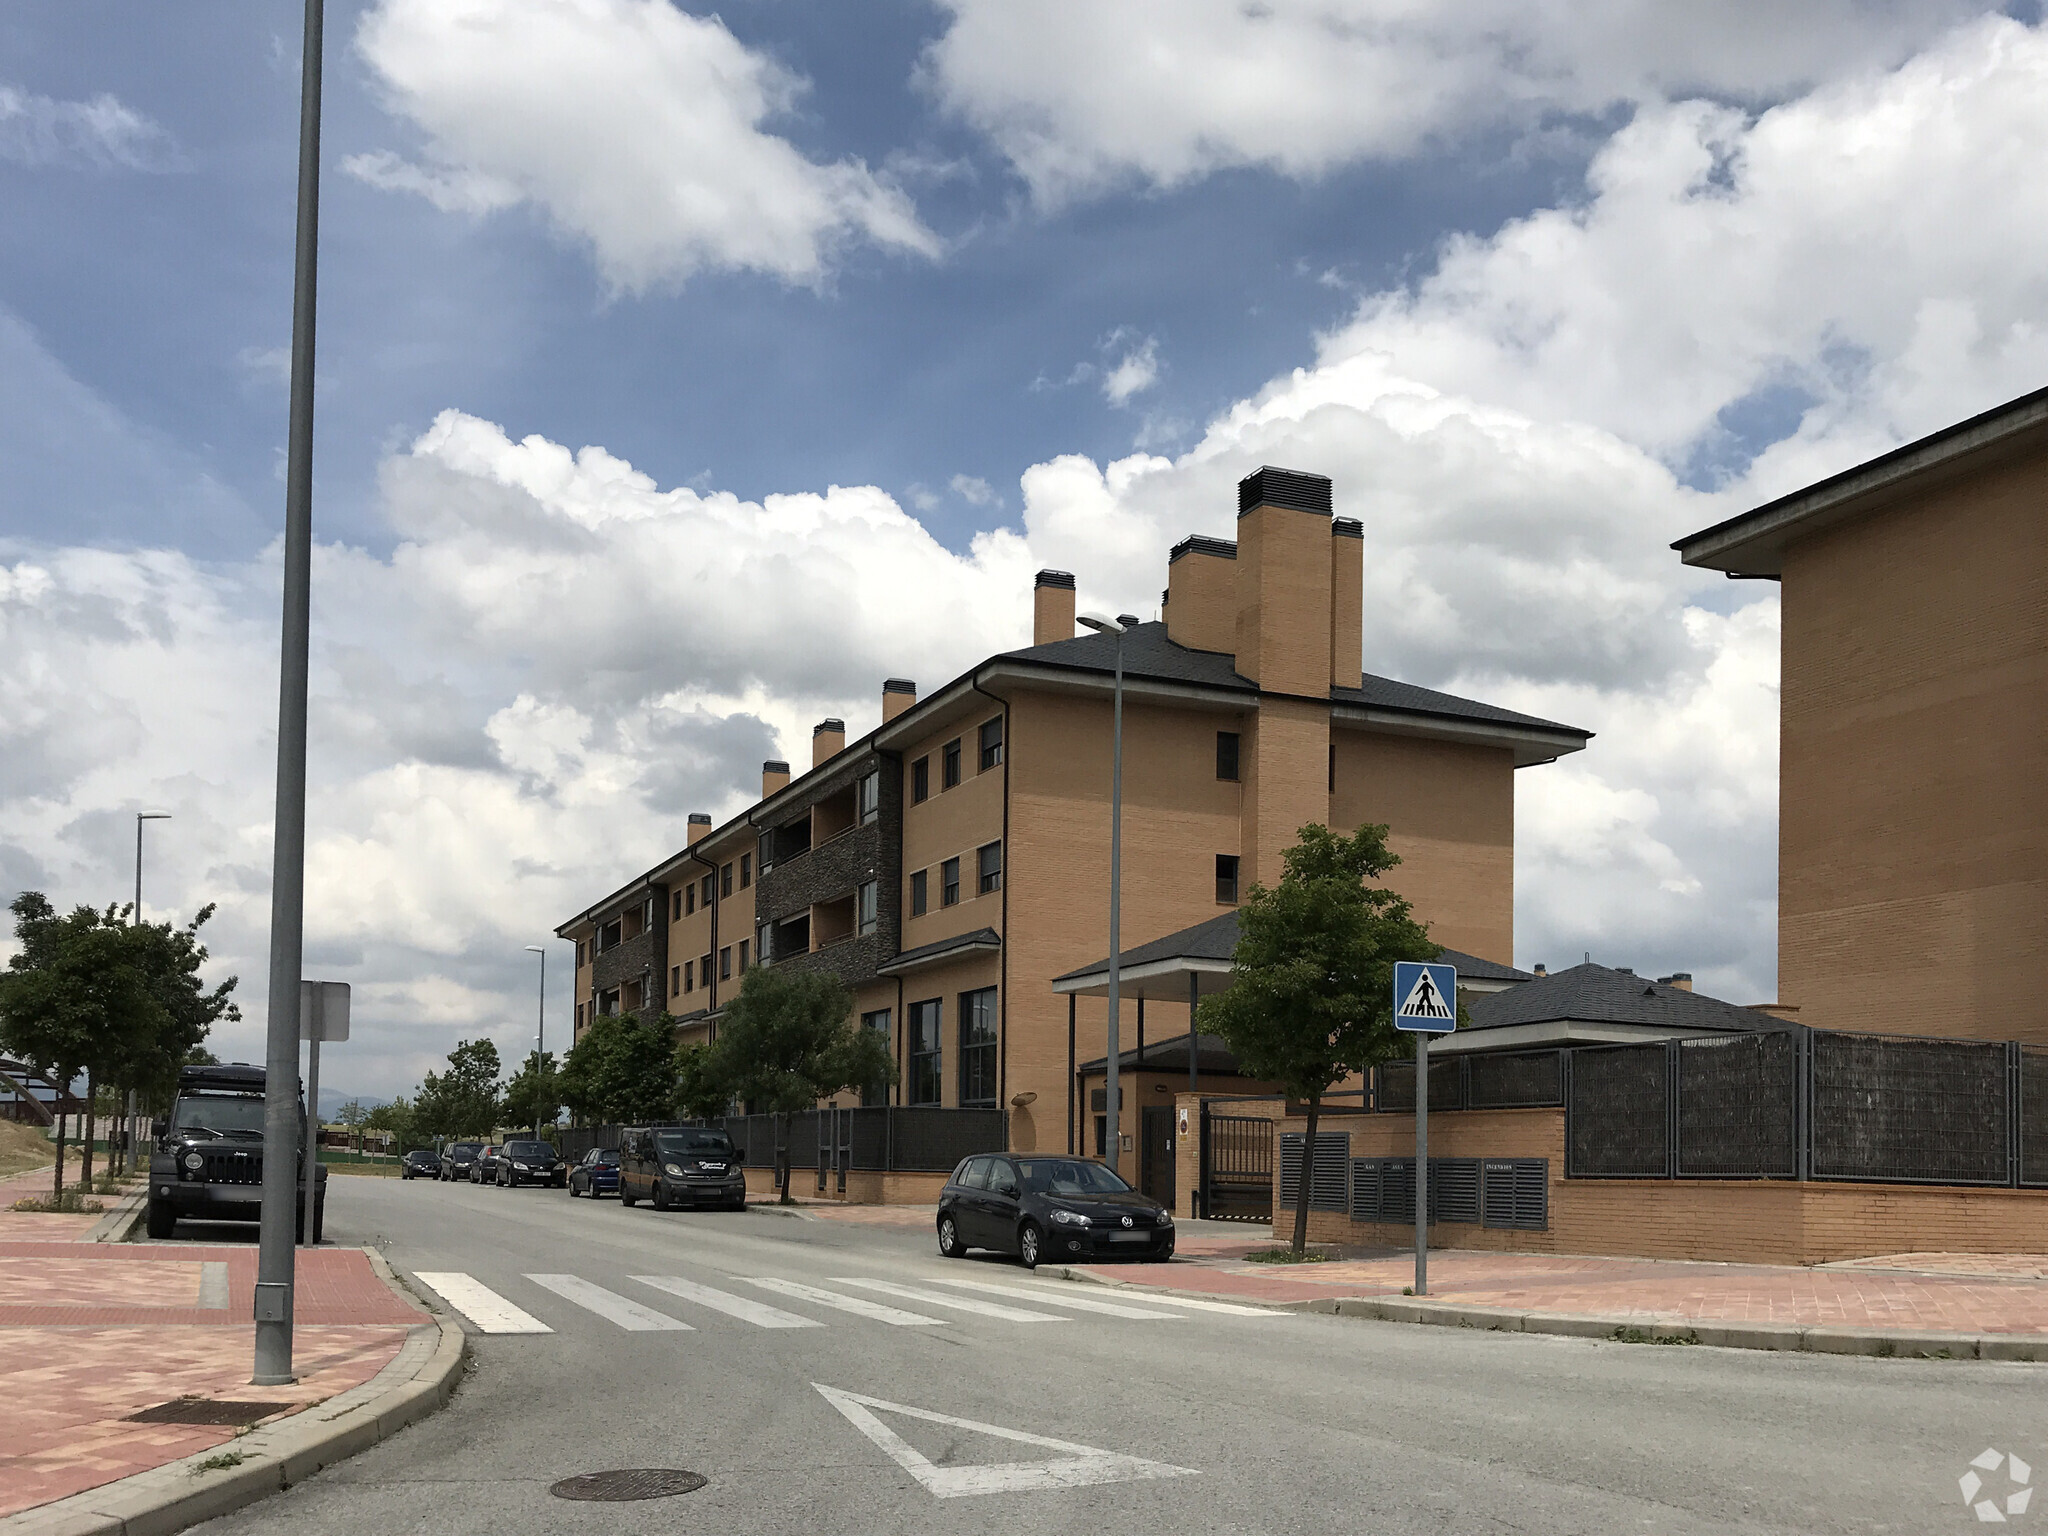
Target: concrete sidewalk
(1962,1305)
(93,1334)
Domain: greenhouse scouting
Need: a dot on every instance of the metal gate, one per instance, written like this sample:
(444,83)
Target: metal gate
(835,1145)
(1237,1167)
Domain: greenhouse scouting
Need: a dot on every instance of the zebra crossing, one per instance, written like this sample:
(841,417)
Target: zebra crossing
(942,1301)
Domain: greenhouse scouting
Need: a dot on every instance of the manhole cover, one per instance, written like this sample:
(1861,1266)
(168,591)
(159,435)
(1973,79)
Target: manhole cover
(206,1410)
(630,1483)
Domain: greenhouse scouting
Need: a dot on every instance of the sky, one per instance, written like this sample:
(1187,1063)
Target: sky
(684,373)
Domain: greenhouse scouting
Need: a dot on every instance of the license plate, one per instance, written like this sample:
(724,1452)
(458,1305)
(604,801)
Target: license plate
(1130,1237)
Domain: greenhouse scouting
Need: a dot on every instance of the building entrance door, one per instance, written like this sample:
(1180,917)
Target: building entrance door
(1155,1162)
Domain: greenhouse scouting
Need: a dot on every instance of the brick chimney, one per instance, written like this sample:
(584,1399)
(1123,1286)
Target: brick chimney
(828,740)
(1201,594)
(898,694)
(1679,979)
(700,823)
(1347,603)
(774,776)
(1283,581)
(1052,607)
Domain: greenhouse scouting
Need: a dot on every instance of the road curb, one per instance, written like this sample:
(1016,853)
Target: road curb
(420,1380)
(1765,1336)
(118,1223)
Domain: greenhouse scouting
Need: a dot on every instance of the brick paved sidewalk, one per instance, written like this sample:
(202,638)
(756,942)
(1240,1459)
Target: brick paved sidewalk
(25,1224)
(1999,1295)
(91,1333)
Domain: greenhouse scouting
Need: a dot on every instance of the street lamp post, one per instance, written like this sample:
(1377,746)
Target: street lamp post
(135,921)
(540,1041)
(1113,1108)
(284,1134)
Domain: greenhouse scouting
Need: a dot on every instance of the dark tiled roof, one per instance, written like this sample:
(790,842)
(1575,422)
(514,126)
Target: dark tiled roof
(1217,940)
(1171,1055)
(1593,994)
(1149,654)
(980,938)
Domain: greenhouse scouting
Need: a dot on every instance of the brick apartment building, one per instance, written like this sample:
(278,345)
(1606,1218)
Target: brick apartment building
(953,862)
(1913,821)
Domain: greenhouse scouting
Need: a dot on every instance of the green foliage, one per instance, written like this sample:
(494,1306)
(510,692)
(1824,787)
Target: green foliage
(399,1121)
(352,1114)
(171,958)
(1311,996)
(700,1091)
(622,1071)
(532,1097)
(463,1101)
(790,1039)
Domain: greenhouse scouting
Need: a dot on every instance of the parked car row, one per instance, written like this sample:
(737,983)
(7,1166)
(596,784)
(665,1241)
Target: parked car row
(507,1165)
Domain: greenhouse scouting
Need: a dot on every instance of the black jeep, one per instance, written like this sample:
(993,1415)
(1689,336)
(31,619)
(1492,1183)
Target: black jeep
(208,1162)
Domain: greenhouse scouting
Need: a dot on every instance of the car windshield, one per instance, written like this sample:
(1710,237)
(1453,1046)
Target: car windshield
(466,1149)
(238,1117)
(528,1149)
(607,1158)
(694,1144)
(1068,1176)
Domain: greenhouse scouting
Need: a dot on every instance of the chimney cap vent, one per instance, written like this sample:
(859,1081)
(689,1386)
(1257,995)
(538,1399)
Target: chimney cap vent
(1129,620)
(1202,544)
(1054,579)
(829,724)
(700,818)
(1347,528)
(1270,487)
(899,685)
(774,765)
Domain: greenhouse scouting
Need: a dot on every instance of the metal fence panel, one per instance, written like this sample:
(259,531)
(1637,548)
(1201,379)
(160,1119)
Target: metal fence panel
(1738,1107)
(1329,1191)
(1895,1109)
(1616,1121)
(1513,1080)
(1396,1081)
(1515,1193)
(934,1140)
(2034,1115)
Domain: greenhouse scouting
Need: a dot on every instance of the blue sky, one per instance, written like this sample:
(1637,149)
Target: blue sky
(624,303)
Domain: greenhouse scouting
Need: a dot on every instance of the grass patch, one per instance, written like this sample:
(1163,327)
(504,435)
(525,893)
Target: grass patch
(1285,1256)
(361,1170)
(221,1463)
(1627,1335)
(70,1203)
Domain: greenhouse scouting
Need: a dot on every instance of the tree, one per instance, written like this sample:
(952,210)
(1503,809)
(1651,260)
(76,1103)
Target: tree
(701,1092)
(622,1071)
(1311,997)
(170,958)
(463,1101)
(397,1120)
(73,1000)
(788,1040)
(531,1095)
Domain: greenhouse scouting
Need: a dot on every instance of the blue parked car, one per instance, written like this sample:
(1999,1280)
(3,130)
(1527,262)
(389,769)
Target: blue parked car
(597,1174)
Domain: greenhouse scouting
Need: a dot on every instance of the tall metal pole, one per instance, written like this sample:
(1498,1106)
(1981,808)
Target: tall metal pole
(1115,1107)
(307,1229)
(1421,1165)
(282,1120)
(540,1053)
(135,921)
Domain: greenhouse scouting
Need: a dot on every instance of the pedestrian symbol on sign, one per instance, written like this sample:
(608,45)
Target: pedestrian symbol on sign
(1426,997)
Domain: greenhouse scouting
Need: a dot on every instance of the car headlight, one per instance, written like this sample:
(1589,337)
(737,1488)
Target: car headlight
(673,1169)
(522,1167)
(195,1161)
(1166,1218)
(1071,1219)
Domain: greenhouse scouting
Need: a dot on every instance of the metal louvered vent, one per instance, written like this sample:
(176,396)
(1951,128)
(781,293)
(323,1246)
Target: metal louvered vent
(1331,1189)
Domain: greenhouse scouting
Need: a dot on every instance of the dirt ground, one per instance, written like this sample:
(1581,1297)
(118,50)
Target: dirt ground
(23,1147)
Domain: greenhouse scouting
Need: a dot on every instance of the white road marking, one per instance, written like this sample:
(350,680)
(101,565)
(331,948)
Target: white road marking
(476,1301)
(1056,1294)
(610,1305)
(1077,1303)
(759,1313)
(1079,1467)
(213,1286)
(957,1303)
(859,1306)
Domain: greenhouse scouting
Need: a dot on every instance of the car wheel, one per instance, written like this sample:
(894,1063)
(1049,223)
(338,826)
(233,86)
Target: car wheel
(1027,1244)
(163,1221)
(624,1197)
(661,1200)
(950,1246)
(572,1189)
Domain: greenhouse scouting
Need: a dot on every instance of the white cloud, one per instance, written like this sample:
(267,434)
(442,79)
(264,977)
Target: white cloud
(1135,371)
(1080,95)
(41,130)
(975,491)
(631,125)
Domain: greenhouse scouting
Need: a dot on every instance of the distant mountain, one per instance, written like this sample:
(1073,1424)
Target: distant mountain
(331,1100)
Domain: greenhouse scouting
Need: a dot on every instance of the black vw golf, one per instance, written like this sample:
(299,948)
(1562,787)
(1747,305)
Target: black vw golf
(1049,1208)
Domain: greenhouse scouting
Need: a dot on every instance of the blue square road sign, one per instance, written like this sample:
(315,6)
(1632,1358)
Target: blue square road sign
(1425,997)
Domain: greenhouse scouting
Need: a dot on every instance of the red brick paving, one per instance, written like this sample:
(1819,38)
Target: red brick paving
(2001,1296)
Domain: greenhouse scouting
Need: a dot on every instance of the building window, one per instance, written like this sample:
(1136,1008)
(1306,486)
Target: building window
(951,756)
(608,936)
(704,970)
(1226,755)
(925,1052)
(949,883)
(579,954)
(675,981)
(767,850)
(867,907)
(991,744)
(1333,783)
(676,915)
(877,1092)
(608,1003)
(689,898)
(868,795)
(725,880)
(978,1049)
(988,868)
(1226,879)
(579,1016)
(743,957)
(920,781)
(689,975)
(725,963)
(647,910)
(746,870)
(704,896)
(919,900)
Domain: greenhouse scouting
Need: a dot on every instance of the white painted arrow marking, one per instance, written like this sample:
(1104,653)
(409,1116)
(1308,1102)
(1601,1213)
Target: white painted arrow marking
(1081,1466)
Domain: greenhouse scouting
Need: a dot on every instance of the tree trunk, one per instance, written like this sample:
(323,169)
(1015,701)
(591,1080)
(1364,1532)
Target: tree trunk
(1308,1176)
(92,1104)
(60,1147)
(782,1158)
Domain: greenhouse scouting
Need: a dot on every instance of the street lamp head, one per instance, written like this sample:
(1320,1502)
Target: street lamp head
(535,949)
(152,815)
(1101,622)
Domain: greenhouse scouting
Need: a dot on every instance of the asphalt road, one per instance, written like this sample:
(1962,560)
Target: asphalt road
(1271,1423)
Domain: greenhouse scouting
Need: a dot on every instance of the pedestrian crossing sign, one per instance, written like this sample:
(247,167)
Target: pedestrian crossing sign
(1425,997)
